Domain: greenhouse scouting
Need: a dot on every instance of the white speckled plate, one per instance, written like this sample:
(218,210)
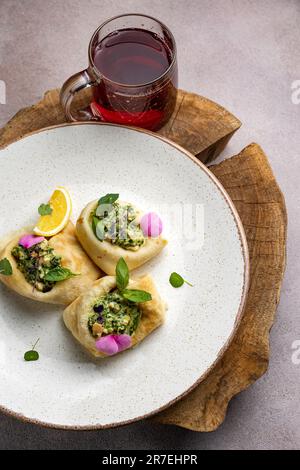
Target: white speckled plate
(65,388)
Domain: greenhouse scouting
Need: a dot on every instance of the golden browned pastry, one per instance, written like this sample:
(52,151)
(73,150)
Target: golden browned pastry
(60,257)
(133,247)
(105,323)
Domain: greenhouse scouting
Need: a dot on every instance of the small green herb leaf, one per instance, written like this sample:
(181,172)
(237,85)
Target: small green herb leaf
(45,209)
(5,267)
(108,199)
(100,230)
(31,355)
(95,220)
(103,210)
(135,295)
(122,274)
(177,281)
(59,274)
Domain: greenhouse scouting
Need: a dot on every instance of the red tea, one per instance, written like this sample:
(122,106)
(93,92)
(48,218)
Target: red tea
(132,57)
(135,89)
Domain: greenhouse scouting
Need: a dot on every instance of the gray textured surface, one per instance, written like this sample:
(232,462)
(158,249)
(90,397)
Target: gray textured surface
(245,55)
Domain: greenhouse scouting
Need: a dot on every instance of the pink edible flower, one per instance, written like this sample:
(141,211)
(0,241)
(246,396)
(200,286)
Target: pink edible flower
(113,344)
(151,225)
(27,241)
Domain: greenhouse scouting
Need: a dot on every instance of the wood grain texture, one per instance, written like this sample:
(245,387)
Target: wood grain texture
(203,127)
(193,113)
(249,180)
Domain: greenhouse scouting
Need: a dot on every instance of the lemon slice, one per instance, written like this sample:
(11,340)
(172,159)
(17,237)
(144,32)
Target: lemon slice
(61,205)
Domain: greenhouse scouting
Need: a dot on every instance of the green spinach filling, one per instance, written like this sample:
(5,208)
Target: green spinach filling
(113,314)
(35,263)
(116,224)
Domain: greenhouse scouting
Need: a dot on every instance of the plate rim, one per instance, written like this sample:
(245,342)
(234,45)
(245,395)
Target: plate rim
(242,304)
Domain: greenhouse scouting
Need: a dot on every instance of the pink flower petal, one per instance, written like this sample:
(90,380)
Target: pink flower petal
(123,341)
(151,225)
(27,241)
(112,344)
(107,345)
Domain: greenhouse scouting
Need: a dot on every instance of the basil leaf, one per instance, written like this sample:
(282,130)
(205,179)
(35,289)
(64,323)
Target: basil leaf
(103,210)
(31,355)
(95,220)
(108,199)
(100,230)
(122,274)
(45,209)
(135,295)
(177,281)
(59,274)
(5,267)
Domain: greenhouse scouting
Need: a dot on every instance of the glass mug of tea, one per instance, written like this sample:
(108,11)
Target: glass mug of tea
(133,72)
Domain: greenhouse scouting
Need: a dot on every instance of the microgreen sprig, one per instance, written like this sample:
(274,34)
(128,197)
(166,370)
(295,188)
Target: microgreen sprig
(32,355)
(59,274)
(108,199)
(122,279)
(45,209)
(177,281)
(5,267)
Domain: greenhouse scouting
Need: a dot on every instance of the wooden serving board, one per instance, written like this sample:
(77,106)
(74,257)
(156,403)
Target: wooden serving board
(203,127)
(249,181)
(198,124)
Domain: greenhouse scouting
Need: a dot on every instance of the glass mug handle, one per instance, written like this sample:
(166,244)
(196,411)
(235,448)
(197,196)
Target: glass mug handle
(77,82)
